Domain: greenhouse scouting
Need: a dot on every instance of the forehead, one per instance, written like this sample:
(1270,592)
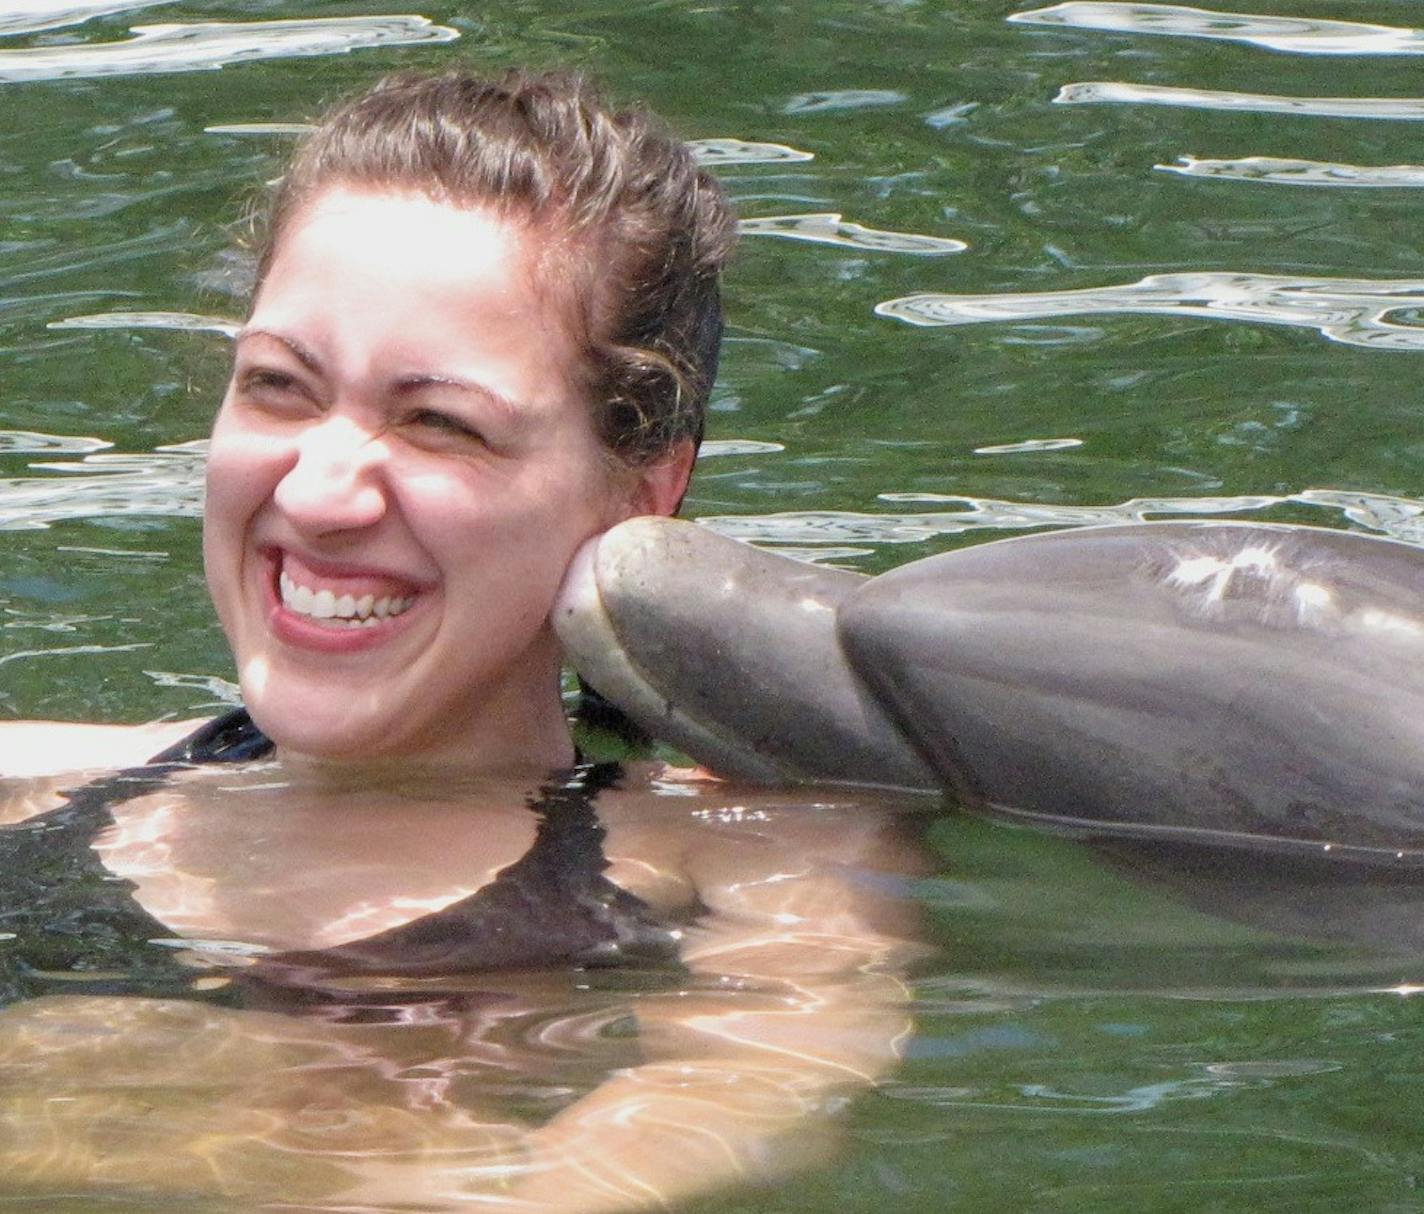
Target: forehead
(407,237)
(383,267)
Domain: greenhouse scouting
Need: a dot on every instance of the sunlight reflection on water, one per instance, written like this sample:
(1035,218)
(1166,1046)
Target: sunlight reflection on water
(844,526)
(1390,109)
(1294,35)
(163,483)
(168,482)
(830,228)
(28,442)
(207,46)
(32,16)
(190,322)
(835,100)
(1274,170)
(1030,445)
(1353,311)
(711,152)
(1399,518)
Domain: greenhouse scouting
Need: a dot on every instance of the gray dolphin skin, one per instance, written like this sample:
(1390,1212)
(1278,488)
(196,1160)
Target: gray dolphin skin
(1253,684)
(730,654)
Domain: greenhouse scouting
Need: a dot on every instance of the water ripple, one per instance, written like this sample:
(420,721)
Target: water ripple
(710,152)
(1400,518)
(1293,35)
(165,483)
(769,353)
(31,16)
(208,46)
(820,555)
(737,446)
(29,442)
(222,690)
(1199,1081)
(715,152)
(951,115)
(54,258)
(1354,311)
(131,461)
(69,651)
(168,482)
(841,99)
(979,514)
(260,128)
(1389,109)
(829,228)
(1030,444)
(190,322)
(1274,170)
(1272,1068)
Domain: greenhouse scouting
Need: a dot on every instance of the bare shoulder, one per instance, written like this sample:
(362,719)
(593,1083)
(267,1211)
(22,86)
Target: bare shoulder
(35,749)
(673,833)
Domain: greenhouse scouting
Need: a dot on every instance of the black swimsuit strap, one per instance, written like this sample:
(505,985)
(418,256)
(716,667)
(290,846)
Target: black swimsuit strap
(553,905)
(230,738)
(57,896)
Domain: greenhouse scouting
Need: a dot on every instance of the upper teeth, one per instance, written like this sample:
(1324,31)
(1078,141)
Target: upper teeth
(325,605)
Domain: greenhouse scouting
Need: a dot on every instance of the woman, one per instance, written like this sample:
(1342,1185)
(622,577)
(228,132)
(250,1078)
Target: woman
(485,326)
(484,329)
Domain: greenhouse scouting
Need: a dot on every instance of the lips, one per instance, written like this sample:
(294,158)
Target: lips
(315,603)
(343,608)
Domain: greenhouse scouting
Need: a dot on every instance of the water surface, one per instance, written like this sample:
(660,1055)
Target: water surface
(1116,313)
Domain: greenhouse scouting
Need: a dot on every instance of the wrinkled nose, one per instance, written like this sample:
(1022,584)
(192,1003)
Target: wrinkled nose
(337,482)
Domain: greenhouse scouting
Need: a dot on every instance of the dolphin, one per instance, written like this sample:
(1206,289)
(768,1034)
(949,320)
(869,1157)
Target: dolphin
(1257,685)
(730,654)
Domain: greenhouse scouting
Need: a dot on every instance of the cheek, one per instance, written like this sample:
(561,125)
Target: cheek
(224,489)
(222,511)
(240,475)
(513,539)
(242,467)
(579,504)
(595,491)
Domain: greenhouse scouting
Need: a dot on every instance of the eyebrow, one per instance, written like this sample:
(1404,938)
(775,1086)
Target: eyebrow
(420,382)
(513,414)
(304,356)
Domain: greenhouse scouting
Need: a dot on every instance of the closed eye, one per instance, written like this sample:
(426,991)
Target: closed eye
(272,387)
(260,379)
(443,423)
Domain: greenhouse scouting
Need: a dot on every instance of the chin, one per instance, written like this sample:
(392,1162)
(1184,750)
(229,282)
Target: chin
(317,739)
(322,723)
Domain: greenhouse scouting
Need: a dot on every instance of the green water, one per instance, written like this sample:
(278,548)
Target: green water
(1085,1043)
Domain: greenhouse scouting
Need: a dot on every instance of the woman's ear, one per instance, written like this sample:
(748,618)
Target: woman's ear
(659,487)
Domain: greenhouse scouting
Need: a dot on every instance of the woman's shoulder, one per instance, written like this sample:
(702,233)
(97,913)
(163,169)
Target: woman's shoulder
(37,749)
(39,760)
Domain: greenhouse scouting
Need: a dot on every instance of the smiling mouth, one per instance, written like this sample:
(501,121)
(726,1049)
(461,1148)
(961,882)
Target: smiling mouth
(339,610)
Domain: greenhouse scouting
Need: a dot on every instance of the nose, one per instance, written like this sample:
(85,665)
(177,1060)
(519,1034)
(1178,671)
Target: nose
(337,482)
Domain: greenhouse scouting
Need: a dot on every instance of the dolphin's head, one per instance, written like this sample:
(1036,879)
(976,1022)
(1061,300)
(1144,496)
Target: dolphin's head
(728,653)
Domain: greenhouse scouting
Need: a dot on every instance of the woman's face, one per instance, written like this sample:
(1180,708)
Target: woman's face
(402,467)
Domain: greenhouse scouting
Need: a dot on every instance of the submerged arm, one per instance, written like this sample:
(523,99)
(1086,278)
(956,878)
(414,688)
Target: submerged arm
(796,1001)
(799,1003)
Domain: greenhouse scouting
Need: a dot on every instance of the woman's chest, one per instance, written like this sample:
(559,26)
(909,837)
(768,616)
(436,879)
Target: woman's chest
(283,875)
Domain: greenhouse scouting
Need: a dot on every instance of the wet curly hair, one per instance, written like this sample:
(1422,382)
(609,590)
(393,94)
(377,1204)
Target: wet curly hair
(628,219)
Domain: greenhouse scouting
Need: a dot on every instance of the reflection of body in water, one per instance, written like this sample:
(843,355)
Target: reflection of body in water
(362,1004)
